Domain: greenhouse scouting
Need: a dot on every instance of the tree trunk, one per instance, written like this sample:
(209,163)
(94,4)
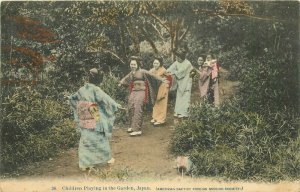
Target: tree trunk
(148,39)
(172,41)
(123,51)
(134,37)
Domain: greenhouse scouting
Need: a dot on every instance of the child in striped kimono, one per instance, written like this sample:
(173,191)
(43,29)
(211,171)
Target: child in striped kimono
(94,112)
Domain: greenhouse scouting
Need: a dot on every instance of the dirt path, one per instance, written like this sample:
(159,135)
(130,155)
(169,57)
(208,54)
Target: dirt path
(144,156)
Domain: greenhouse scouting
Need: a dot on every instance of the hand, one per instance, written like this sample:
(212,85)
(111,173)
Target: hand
(193,73)
(164,80)
(119,106)
(119,85)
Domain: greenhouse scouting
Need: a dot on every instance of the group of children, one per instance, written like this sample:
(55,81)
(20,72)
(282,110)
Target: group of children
(153,87)
(94,110)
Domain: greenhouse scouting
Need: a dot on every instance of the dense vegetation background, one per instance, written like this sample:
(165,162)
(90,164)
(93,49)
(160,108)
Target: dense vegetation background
(47,47)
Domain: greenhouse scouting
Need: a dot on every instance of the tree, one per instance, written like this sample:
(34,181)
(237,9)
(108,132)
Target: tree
(25,47)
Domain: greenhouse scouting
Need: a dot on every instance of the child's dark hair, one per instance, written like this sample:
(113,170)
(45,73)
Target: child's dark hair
(160,59)
(137,59)
(95,78)
(181,51)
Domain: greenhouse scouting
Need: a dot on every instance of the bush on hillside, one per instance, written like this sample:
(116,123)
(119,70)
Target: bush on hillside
(33,128)
(269,82)
(231,142)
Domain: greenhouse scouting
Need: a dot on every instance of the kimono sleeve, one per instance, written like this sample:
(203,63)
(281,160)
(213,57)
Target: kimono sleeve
(152,76)
(172,69)
(110,104)
(153,84)
(183,70)
(73,102)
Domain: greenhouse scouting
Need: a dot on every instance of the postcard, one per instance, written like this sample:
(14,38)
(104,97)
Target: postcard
(163,96)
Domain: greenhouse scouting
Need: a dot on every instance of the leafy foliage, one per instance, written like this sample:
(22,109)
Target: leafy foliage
(236,144)
(120,94)
(27,111)
(33,128)
(269,82)
(38,146)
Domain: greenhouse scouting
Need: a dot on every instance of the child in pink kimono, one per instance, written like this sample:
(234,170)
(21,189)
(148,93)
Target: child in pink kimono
(143,89)
(208,79)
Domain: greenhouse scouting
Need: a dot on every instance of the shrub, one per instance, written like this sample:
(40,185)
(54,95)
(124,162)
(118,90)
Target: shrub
(110,86)
(26,111)
(39,146)
(33,128)
(237,144)
(269,82)
(235,61)
(120,94)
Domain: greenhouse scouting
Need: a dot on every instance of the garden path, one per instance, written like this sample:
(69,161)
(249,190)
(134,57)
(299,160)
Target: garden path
(146,156)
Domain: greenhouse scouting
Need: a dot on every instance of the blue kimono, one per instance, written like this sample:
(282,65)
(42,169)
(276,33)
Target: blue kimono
(94,112)
(181,71)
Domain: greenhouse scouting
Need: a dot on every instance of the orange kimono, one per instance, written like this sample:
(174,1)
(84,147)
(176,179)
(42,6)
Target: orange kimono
(159,113)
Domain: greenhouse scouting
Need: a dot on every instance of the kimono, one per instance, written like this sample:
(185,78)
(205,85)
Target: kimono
(94,112)
(204,80)
(181,72)
(209,84)
(143,89)
(213,93)
(159,112)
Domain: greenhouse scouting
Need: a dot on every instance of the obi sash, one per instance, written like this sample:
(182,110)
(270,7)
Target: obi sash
(88,114)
